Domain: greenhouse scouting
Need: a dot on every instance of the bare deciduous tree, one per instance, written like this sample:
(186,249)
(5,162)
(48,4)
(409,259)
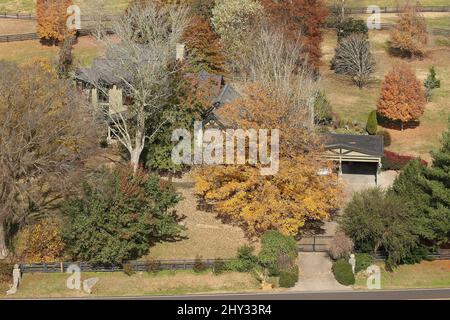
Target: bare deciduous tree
(282,67)
(141,56)
(354,59)
(45,135)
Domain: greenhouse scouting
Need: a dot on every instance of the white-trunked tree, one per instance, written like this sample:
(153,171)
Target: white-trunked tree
(141,59)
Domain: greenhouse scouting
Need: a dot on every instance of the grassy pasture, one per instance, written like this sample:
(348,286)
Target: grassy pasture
(353,103)
(89,6)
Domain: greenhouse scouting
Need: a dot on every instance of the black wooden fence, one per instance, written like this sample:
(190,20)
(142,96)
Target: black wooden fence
(19,37)
(161,265)
(34,36)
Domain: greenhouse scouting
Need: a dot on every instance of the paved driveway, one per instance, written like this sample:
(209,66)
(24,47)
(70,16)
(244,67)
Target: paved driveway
(316,274)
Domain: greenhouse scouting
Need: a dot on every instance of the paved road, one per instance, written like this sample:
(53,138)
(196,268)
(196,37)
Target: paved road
(329,295)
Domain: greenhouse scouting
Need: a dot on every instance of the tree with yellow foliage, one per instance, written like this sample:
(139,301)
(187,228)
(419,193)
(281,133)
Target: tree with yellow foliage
(284,201)
(52,19)
(409,36)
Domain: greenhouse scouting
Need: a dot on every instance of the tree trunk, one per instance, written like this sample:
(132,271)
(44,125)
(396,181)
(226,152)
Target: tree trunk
(3,248)
(134,159)
(401,125)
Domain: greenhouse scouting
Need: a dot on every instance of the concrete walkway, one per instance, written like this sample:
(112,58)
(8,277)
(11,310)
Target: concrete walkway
(316,274)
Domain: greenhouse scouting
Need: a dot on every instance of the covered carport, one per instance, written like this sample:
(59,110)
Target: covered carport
(358,157)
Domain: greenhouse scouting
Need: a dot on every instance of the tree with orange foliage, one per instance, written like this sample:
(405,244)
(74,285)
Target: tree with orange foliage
(204,51)
(52,19)
(409,36)
(402,96)
(285,201)
(301,20)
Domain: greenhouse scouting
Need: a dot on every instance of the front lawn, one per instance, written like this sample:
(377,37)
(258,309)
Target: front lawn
(428,274)
(43,285)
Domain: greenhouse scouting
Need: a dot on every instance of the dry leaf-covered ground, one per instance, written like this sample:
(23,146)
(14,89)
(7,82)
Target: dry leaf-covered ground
(205,235)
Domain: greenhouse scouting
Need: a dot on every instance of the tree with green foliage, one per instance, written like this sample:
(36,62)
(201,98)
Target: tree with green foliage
(184,107)
(351,26)
(372,123)
(322,108)
(119,216)
(274,247)
(427,190)
(377,220)
(431,83)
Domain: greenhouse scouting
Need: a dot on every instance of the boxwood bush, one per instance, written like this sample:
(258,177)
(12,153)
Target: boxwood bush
(288,278)
(363,261)
(343,272)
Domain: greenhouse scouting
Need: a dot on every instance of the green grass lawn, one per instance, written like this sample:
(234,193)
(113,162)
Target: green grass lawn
(53,285)
(435,274)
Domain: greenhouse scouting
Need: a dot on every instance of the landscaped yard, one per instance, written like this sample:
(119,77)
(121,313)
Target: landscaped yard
(119,284)
(205,236)
(352,103)
(427,274)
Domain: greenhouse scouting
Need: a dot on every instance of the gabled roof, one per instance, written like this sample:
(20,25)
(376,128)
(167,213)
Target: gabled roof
(371,145)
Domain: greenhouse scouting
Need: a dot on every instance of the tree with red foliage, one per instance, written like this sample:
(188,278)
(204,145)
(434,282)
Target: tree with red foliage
(300,20)
(402,96)
(203,47)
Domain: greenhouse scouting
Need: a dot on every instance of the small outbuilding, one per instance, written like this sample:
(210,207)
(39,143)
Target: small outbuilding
(355,154)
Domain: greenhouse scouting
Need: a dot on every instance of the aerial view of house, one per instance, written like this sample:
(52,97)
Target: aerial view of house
(256,150)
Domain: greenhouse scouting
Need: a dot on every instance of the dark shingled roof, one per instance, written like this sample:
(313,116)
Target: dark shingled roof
(372,145)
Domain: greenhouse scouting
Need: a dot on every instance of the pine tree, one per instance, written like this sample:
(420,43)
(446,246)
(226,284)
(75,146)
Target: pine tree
(430,83)
(438,187)
(428,190)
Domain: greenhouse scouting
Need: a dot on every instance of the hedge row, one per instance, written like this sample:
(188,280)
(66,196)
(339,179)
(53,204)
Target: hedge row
(395,161)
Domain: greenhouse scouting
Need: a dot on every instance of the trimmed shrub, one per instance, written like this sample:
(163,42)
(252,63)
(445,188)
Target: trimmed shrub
(128,269)
(218,266)
(245,260)
(395,161)
(153,266)
(372,123)
(343,273)
(275,244)
(363,261)
(199,265)
(288,278)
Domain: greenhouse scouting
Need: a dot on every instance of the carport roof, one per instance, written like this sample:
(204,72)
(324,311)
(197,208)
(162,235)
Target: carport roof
(371,145)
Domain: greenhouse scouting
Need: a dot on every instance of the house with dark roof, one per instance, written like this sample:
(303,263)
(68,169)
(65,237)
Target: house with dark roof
(115,100)
(355,154)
